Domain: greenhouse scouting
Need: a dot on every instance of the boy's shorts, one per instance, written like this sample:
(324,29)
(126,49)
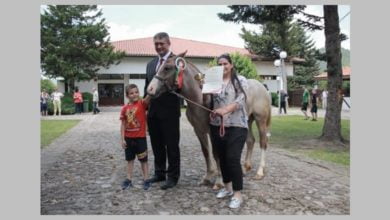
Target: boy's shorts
(136,146)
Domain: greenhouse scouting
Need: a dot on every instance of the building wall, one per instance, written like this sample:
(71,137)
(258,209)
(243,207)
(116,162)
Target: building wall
(137,65)
(268,68)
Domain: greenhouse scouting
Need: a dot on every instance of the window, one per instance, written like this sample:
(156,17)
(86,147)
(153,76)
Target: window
(110,76)
(268,77)
(137,76)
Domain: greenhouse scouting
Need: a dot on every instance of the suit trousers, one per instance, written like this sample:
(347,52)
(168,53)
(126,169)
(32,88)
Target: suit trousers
(164,136)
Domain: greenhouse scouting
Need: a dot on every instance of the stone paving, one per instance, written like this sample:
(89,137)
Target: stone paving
(82,170)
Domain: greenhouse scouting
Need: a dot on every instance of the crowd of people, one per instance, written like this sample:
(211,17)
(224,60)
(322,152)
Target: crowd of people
(56,99)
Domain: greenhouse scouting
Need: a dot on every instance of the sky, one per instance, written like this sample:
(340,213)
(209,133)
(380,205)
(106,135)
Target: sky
(196,22)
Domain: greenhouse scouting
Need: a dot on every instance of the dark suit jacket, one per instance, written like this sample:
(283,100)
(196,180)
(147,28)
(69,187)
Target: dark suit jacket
(167,104)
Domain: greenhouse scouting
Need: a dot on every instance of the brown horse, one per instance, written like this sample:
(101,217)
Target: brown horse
(258,107)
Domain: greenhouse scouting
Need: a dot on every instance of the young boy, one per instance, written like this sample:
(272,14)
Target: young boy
(133,134)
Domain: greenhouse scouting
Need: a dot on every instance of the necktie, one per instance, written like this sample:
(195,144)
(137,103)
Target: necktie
(161,62)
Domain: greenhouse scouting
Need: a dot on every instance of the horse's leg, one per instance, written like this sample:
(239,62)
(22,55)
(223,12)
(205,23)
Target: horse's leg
(250,141)
(210,169)
(218,181)
(263,129)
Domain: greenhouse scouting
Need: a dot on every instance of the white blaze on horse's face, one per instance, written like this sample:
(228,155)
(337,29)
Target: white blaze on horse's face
(164,76)
(152,88)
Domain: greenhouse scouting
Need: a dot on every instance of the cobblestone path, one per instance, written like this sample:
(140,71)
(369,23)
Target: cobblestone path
(82,170)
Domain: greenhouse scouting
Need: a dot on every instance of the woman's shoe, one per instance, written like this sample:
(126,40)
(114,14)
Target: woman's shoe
(223,193)
(235,203)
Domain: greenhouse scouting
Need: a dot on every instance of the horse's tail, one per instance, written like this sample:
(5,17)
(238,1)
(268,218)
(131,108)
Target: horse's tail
(269,116)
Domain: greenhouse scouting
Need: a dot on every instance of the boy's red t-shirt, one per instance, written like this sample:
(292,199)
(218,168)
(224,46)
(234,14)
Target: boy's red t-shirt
(134,116)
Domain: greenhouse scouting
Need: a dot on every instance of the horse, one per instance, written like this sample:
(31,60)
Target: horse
(258,107)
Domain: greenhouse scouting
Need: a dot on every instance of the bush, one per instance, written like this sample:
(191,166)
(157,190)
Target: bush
(275,99)
(88,96)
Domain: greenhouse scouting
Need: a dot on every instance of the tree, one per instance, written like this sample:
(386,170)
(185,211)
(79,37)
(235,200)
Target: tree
(332,125)
(278,32)
(75,43)
(48,85)
(242,64)
(304,48)
(258,14)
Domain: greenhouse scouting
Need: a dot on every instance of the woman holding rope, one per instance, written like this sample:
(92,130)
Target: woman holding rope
(230,113)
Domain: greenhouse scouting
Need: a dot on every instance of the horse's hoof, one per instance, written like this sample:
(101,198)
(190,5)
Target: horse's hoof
(217,186)
(205,182)
(258,177)
(247,167)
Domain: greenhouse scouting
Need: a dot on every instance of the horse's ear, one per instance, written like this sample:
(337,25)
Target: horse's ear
(182,54)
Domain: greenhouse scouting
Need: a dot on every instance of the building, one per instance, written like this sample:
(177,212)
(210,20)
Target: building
(112,81)
(346,74)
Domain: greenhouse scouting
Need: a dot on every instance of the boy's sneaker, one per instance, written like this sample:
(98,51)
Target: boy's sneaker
(223,193)
(126,184)
(147,184)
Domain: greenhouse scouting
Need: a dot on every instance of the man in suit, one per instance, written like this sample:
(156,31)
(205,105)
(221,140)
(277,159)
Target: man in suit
(163,121)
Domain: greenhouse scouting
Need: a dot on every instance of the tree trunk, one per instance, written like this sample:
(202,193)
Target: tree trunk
(332,125)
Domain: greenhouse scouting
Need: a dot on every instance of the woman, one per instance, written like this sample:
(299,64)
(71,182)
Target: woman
(78,100)
(44,100)
(230,105)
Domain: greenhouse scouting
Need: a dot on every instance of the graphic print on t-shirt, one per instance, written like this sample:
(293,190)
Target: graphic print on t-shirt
(133,123)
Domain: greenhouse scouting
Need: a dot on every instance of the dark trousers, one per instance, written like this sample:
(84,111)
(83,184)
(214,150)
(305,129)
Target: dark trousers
(79,107)
(164,137)
(229,149)
(95,108)
(283,106)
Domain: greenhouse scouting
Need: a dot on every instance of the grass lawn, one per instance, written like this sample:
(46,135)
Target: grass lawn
(298,135)
(52,129)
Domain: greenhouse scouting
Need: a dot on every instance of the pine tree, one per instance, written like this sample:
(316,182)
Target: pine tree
(280,14)
(75,43)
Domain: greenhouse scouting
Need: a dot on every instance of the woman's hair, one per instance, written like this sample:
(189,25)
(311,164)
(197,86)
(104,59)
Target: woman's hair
(76,89)
(234,77)
(130,86)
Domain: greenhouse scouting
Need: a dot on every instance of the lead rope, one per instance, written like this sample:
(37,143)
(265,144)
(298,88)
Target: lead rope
(212,113)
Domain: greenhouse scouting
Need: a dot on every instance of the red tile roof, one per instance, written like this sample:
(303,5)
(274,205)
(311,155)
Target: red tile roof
(145,47)
(346,73)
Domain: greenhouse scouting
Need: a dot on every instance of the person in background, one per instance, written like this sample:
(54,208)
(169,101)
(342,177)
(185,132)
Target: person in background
(283,99)
(314,101)
(95,99)
(44,101)
(305,101)
(78,100)
(56,96)
(324,98)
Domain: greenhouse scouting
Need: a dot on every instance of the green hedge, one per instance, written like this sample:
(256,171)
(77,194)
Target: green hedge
(88,96)
(275,99)
(67,105)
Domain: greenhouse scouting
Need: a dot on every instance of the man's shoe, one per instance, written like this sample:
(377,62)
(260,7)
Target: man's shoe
(147,185)
(223,193)
(155,179)
(168,184)
(126,184)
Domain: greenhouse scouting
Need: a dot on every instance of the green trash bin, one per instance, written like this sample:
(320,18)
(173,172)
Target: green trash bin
(86,105)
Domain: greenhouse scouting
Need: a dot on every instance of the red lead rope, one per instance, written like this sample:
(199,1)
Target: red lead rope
(221,127)
(212,113)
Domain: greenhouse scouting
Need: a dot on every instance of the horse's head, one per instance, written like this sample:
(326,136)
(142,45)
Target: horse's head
(167,75)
